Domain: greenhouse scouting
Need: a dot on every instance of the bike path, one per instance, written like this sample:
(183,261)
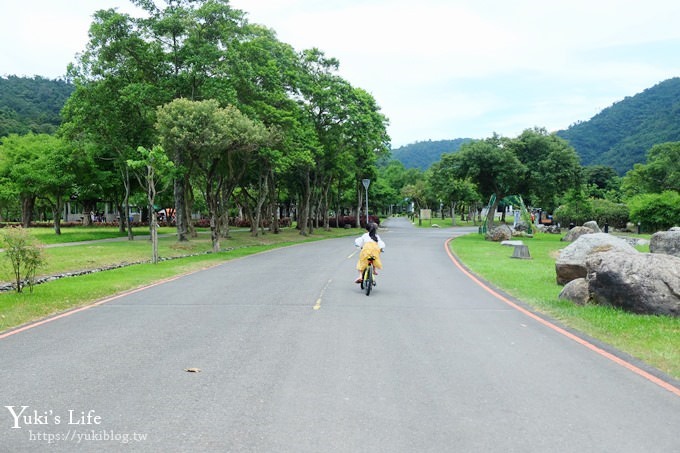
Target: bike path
(294,357)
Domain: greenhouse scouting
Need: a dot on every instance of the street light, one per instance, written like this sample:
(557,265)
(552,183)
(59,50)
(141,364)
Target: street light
(366,183)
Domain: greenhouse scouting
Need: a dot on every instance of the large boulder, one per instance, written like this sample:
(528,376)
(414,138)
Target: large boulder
(593,226)
(499,233)
(550,229)
(576,233)
(576,291)
(571,263)
(643,283)
(666,242)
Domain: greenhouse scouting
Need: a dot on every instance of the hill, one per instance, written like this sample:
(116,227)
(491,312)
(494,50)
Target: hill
(423,154)
(620,136)
(31,104)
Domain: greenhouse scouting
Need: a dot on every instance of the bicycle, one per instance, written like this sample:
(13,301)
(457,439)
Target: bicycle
(368,282)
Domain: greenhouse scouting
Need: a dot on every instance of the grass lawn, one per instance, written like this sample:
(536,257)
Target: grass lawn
(653,339)
(78,234)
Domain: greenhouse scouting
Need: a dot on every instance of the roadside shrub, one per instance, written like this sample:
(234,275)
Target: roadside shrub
(576,214)
(24,254)
(348,221)
(577,208)
(284,222)
(656,211)
(614,214)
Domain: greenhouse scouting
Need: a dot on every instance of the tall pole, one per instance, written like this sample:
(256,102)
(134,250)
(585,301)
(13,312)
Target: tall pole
(366,183)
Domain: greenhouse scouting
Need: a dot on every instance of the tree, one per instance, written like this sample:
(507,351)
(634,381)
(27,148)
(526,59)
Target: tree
(157,176)
(204,49)
(661,172)
(441,177)
(493,167)
(17,154)
(219,141)
(551,167)
(40,167)
(416,193)
(350,130)
(117,89)
(577,208)
(602,181)
(24,254)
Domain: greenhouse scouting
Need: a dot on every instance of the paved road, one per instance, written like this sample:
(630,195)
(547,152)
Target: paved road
(294,358)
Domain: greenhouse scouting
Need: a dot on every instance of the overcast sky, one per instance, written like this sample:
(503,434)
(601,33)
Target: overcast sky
(439,69)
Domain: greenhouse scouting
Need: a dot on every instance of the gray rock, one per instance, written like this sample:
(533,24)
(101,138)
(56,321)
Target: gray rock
(643,283)
(635,241)
(576,233)
(576,291)
(499,234)
(593,226)
(571,263)
(522,226)
(512,243)
(665,242)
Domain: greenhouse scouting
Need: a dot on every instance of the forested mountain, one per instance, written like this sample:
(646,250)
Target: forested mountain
(423,154)
(31,104)
(620,136)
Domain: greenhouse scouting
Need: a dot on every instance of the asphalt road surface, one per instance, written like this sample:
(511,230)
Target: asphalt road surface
(288,355)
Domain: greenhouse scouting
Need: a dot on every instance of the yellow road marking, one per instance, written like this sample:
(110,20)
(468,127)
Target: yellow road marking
(317,306)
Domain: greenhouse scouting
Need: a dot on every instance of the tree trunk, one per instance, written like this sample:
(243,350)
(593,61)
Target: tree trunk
(88,208)
(303,209)
(188,209)
(275,227)
(213,206)
(126,202)
(262,195)
(27,205)
(56,215)
(153,229)
(153,216)
(360,201)
(325,206)
(491,215)
(180,219)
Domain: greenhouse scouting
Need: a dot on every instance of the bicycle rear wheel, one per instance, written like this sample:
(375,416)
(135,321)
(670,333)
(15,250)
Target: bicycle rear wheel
(368,279)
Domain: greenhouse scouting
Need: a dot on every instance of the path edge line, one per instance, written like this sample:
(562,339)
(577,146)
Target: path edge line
(608,355)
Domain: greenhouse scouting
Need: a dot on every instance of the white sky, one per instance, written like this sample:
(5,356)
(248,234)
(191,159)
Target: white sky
(439,69)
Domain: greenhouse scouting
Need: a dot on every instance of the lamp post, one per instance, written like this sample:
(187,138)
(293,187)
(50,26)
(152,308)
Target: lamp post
(366,183)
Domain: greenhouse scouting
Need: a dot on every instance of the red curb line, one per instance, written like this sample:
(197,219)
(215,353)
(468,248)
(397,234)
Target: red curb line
(619,361)
(83,308)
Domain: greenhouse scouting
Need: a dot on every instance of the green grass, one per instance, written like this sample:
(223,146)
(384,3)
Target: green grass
(59,295)
(78,234)
(653,339)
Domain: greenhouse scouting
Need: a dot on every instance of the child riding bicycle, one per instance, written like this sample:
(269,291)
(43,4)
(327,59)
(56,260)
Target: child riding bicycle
(371,246)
